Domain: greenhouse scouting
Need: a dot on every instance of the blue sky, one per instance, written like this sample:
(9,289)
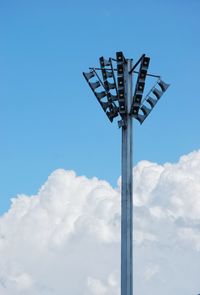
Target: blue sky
(49,118)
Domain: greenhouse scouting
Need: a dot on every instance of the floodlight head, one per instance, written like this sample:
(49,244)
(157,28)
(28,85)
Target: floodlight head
(100,95)
(120,69)
(163,85)
(112,97)
(143,68)
(105,105)
(152,101)
(104,62)
(120,56)
(146,61)
(140,87)
(138,98)
(94,85)
(145,112)
(120,81)
(89,75)
(135,111)
(109,85)
(106,73)
(143,74)
(157,93)
(112,113)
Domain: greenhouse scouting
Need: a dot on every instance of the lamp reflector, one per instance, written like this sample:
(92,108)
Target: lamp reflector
(145,110)
(140,87)
(135,110)
(120,81)
(145,62)
(163,85)
(152,101)
(120,56)
(89,75)
(109,85)
(105,105)
(100,95)
(112,97)
(138,99)
(143,74)
(106,74)
(120,69)
(157,93)
(122,106)
(140,118)
(94,85)
(104,62)
(121,93)
(112,113)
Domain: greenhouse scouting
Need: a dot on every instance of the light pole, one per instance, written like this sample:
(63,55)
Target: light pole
(116,97)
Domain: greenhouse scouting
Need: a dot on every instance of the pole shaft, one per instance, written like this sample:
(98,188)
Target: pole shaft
(126,193)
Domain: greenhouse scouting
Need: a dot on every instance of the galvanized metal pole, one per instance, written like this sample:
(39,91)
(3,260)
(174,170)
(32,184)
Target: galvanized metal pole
(126,193)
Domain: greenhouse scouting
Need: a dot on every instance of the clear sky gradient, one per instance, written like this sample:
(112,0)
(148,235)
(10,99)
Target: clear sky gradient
(49,117)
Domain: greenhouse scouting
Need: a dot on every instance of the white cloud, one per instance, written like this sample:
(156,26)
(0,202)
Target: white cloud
(66,239)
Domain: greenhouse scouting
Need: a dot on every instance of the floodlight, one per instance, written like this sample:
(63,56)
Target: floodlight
(112,113)
(108,73)
(89,75)
(104,62)
(108,107)
(158,93)
(120,57)
(112,97)
(163,85)
(151,101)
(140,84)
(94,85)
(120,81)
(109,85)
(100,95)
(120,69)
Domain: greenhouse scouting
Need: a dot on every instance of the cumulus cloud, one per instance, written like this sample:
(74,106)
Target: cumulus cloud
(66,239)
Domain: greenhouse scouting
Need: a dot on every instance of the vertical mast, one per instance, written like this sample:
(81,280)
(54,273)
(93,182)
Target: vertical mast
(126,194)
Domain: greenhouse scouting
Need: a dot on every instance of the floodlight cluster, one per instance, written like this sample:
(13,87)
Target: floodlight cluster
(110,88)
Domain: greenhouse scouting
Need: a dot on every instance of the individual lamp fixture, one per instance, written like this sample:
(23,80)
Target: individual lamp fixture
(140,84)
(144,110)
